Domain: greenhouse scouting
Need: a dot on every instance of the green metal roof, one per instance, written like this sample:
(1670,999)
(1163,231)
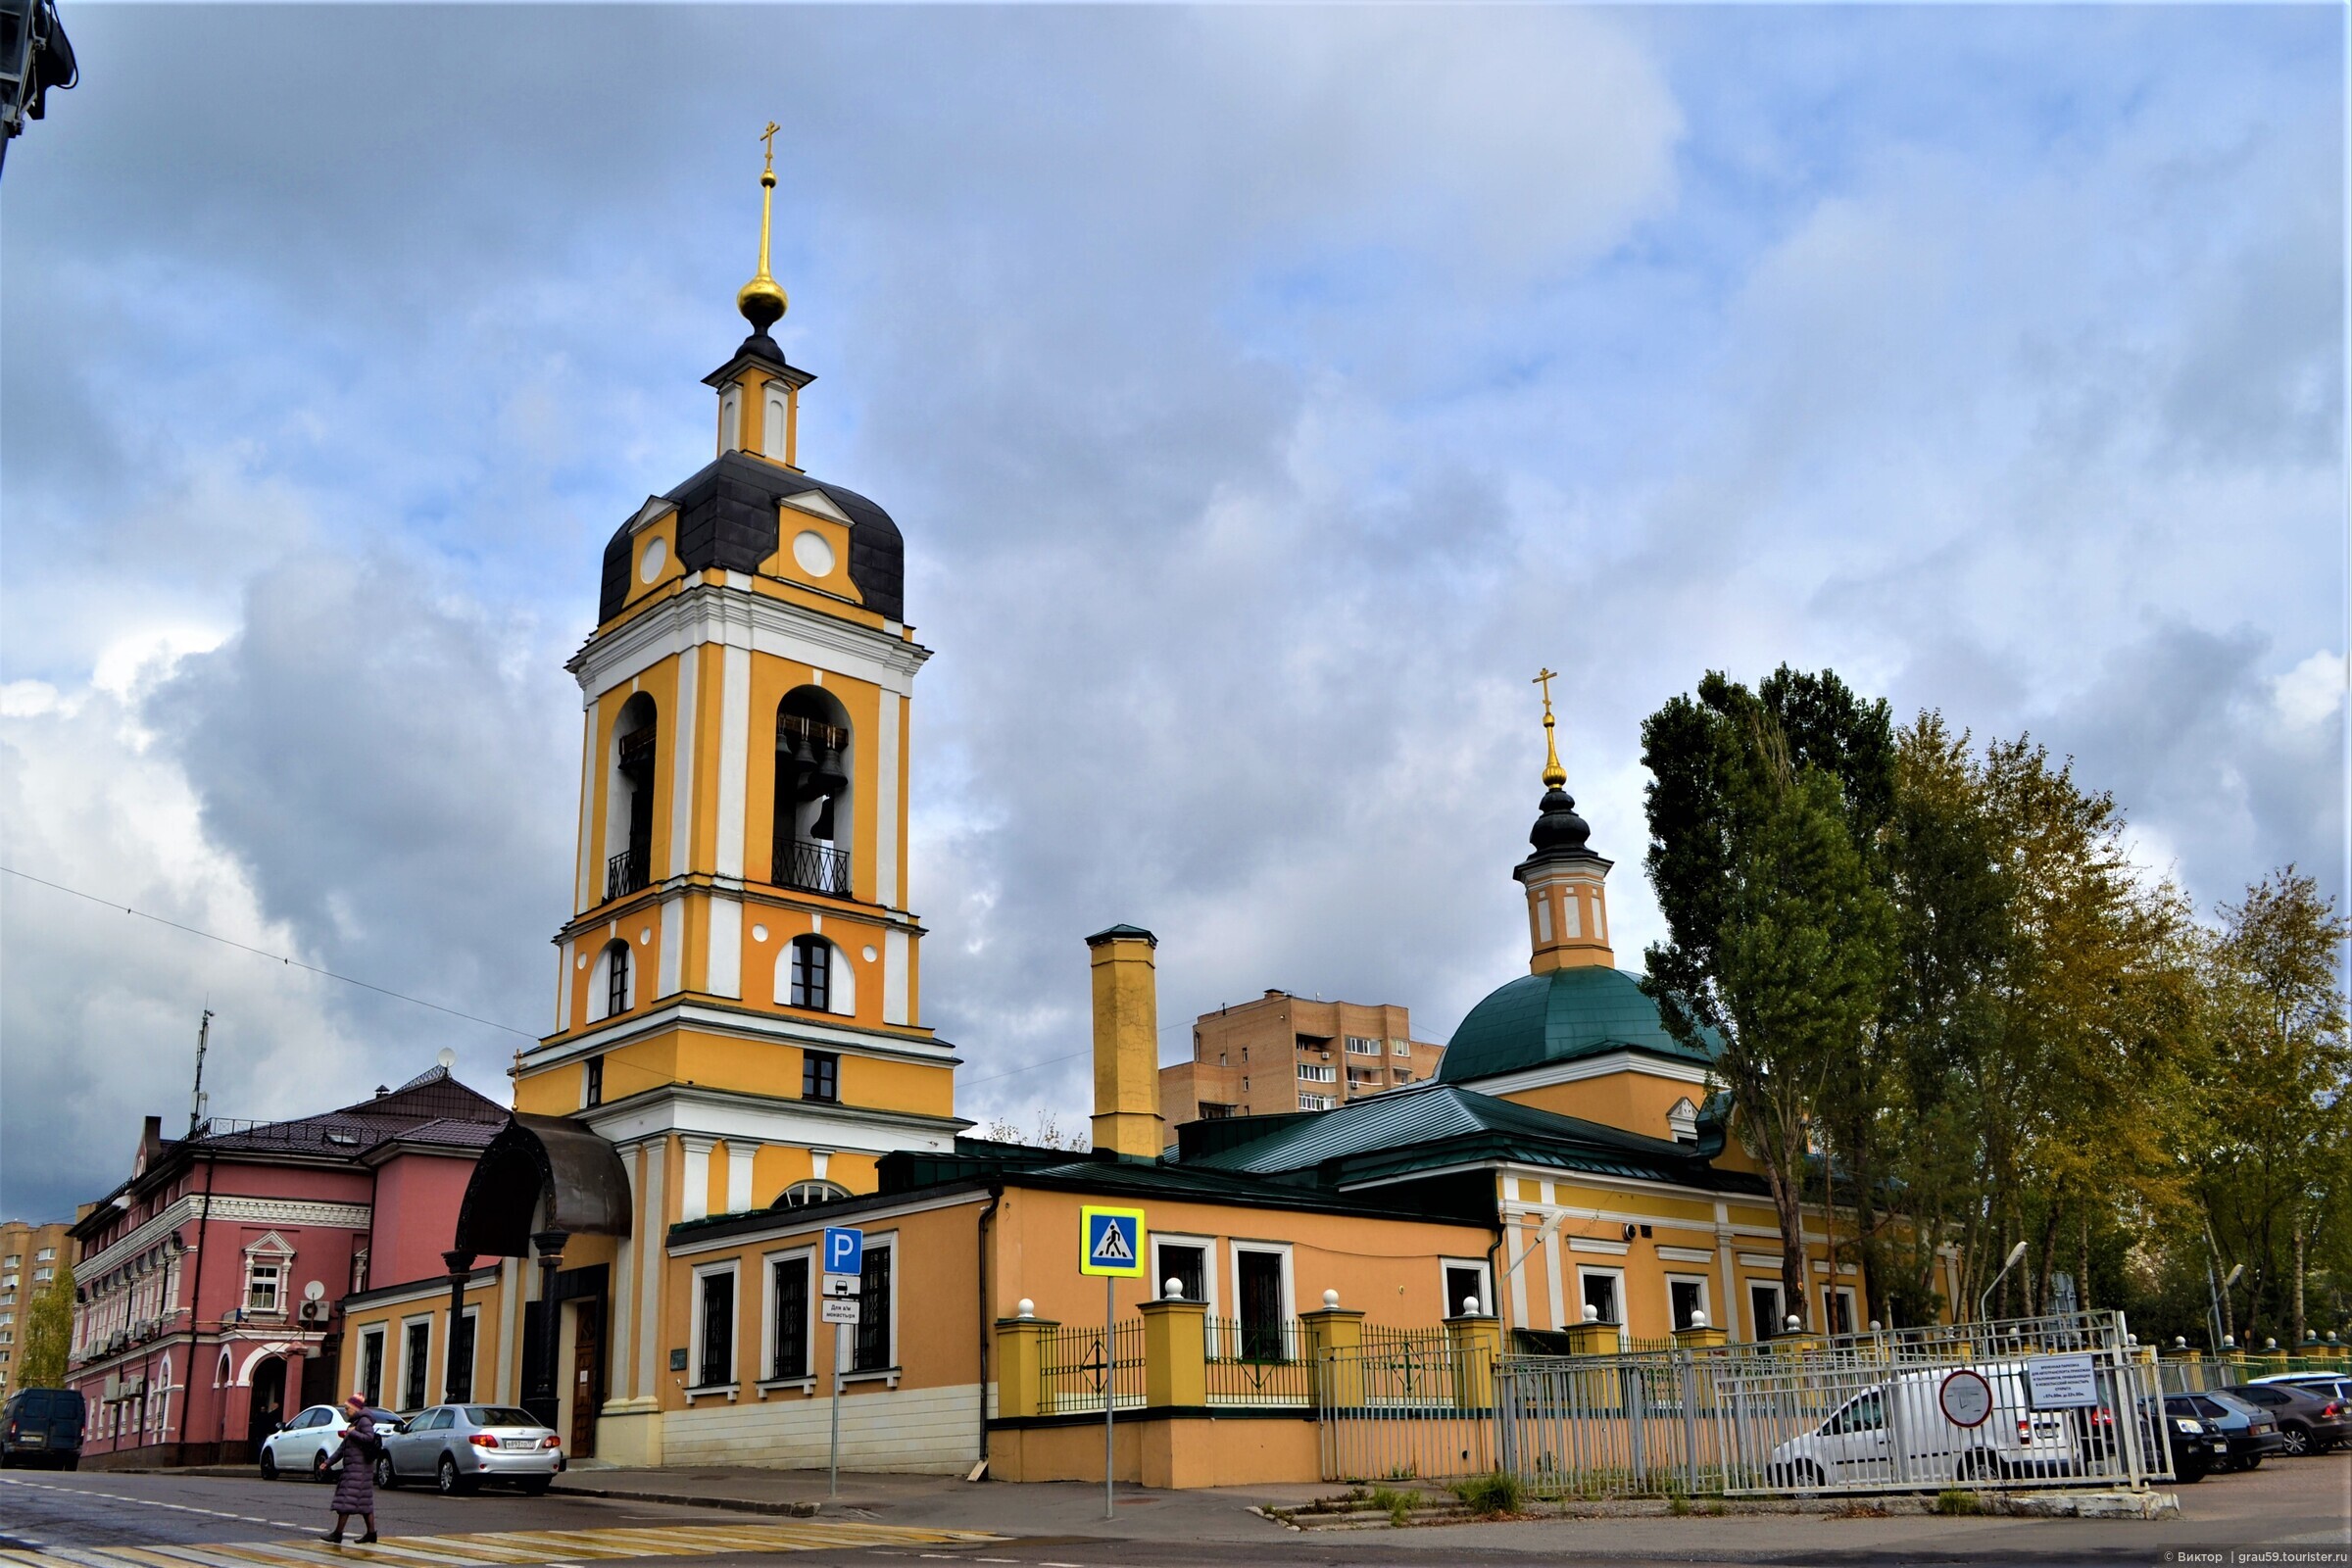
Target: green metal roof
(1561,1015)
(1440,1125)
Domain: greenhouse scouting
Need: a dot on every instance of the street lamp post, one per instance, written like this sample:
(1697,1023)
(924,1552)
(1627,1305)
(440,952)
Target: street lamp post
(2015,1253)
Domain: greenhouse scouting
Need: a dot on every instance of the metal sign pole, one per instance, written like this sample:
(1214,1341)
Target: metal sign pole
(833,1459)
(1110,1392)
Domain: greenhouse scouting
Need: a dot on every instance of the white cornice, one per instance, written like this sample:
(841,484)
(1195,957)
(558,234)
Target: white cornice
(789,1229)
(195,1205)
(694,1110)
(768,1028)
(736,617)
(1584,1067)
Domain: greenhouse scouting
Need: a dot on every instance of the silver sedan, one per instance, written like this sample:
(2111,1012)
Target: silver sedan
(459,1446)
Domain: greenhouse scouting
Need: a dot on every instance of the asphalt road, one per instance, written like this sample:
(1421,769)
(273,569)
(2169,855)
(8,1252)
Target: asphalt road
(85,1520)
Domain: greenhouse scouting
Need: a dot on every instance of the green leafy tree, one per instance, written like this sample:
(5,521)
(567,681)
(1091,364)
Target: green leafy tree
(2271,1167)
(1760,810)
(48,1333)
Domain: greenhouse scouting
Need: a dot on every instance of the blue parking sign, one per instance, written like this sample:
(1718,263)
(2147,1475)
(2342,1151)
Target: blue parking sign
(844,1249)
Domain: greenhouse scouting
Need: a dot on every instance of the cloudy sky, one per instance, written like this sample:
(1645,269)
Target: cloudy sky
(1264,394)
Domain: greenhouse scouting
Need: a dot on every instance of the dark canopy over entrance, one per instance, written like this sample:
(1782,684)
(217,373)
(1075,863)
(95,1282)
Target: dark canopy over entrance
(580,1176)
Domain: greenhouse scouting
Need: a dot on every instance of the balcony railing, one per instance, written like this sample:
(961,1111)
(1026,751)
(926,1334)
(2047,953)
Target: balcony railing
(814,867)
(624,874)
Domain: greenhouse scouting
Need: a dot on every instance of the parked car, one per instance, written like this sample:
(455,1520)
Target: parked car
(2334,1385)
(1895,1433)
(42,1426)
(302,1446)
(459,1446)
(2248,1430)
(2198,1447)
(2310,1422)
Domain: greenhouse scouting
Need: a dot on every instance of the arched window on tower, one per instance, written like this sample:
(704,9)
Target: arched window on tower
(629,805)
(814,974)
(813,793)
(612,987)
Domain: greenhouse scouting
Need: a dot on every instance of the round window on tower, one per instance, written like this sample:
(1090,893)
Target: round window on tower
(815,556)
(655,558)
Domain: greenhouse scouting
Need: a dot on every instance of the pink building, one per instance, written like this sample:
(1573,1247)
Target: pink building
(207,1304)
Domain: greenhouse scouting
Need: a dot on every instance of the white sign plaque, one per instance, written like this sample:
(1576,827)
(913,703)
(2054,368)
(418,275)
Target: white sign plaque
(2062,1381)
(840,1310)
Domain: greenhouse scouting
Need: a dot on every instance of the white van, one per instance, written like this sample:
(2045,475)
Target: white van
(1897,1434)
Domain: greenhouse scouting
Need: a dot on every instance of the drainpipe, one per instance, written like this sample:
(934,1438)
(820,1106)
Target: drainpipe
(995,1195)
(196,1318)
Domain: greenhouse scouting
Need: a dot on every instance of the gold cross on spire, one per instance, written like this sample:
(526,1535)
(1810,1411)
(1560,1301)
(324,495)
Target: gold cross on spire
(767,139)
(761,301)
(1554,776)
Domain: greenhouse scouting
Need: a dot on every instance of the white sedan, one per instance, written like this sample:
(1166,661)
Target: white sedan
(301,1447)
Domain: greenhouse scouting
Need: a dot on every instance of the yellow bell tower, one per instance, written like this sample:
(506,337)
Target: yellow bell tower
(738,1007)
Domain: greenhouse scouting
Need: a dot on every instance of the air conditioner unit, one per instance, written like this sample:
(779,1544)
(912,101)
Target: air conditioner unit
(312,1311)
(134,1385)
(114,1386)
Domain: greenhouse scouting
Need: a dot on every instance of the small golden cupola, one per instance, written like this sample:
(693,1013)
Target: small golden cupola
(758,393)
(1567,903)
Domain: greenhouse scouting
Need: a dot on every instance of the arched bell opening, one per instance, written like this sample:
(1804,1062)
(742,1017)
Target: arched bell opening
(629,800)
(813,793)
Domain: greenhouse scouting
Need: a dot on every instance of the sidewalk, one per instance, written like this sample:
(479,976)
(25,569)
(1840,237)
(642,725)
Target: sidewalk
(1030,1508)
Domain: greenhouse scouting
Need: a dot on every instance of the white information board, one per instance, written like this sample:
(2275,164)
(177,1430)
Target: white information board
(840,1310)
(2061,1382)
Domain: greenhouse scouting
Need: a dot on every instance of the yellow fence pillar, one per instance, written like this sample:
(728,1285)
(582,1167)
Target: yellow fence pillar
(1175,1353)
(1475,1340)
(1337,1377)
(1020,1364)
(1702,1337)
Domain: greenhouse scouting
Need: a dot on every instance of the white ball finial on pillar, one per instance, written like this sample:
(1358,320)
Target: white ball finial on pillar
(1592,1313)
(1026,1308)
(1794,1324)
(1331,1300)
(1171,1288)
(1469,1306)
(1698,1320)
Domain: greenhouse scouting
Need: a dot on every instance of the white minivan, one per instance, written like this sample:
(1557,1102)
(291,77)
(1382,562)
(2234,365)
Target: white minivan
(1897,1434)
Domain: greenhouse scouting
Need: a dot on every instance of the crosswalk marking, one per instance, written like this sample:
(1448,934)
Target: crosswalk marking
(498,1549)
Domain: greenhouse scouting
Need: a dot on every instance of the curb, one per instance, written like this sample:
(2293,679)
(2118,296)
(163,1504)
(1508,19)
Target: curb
(680,1499)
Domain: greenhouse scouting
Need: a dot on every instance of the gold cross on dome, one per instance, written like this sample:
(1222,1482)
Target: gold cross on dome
(1545,678)
(767,139)
(1553,774)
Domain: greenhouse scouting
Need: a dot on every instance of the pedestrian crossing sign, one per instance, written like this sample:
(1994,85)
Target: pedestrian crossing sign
(1114,1242)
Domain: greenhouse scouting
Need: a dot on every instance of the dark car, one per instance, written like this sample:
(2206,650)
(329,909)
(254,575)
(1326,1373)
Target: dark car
(2251,1434)
(2311,1422)
(2198,1448)
(42,1426)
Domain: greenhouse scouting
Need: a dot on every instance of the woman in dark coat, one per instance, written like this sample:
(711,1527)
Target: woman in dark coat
(355,1487)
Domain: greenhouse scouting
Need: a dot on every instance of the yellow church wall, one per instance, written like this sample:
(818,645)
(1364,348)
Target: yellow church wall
(666,529)
(786,566)
(426,1299)
(1636,1101)
(1386,1268)
(766,978)
(551,1092)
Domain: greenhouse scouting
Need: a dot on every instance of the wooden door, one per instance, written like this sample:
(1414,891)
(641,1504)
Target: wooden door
(587,1377)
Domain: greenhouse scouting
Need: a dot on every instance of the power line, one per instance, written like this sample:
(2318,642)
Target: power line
(294,963)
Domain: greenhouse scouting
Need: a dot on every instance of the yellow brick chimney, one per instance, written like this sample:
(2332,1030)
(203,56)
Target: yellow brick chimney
(1127,1120)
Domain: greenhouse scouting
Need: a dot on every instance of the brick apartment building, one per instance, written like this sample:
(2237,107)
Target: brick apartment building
(1287,1054)
(31,1257)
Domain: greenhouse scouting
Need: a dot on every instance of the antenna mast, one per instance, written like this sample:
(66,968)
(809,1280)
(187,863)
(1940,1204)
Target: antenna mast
(204,1033)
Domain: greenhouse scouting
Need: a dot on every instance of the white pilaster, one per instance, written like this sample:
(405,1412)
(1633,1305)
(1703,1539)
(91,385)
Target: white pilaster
(734,758)
(564,988)
(584,889)
(694,1197)
(681,772)
(725,978)
(894,957)
(624,1276)
(649,1275)
(739,1174)
(887,892)
(673,946)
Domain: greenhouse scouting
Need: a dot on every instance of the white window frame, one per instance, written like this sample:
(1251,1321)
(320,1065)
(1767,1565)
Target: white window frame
(383,1358)
(732,1268)
(1208,1263)
(1707,1303)
(1853,1309)
(1486,1285)
(407,1338)
(1318,1073)
(271,1251)
(768,1380)
(1765,1331)
(1370,1045)
(885,1241)
(1399,1048)
(1234,1249)
(1616,1279)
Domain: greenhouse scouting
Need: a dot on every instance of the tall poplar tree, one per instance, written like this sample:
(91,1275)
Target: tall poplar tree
(1762,809)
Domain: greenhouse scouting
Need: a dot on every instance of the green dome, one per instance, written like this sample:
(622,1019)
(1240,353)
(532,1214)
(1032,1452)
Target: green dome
(1558,1016)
